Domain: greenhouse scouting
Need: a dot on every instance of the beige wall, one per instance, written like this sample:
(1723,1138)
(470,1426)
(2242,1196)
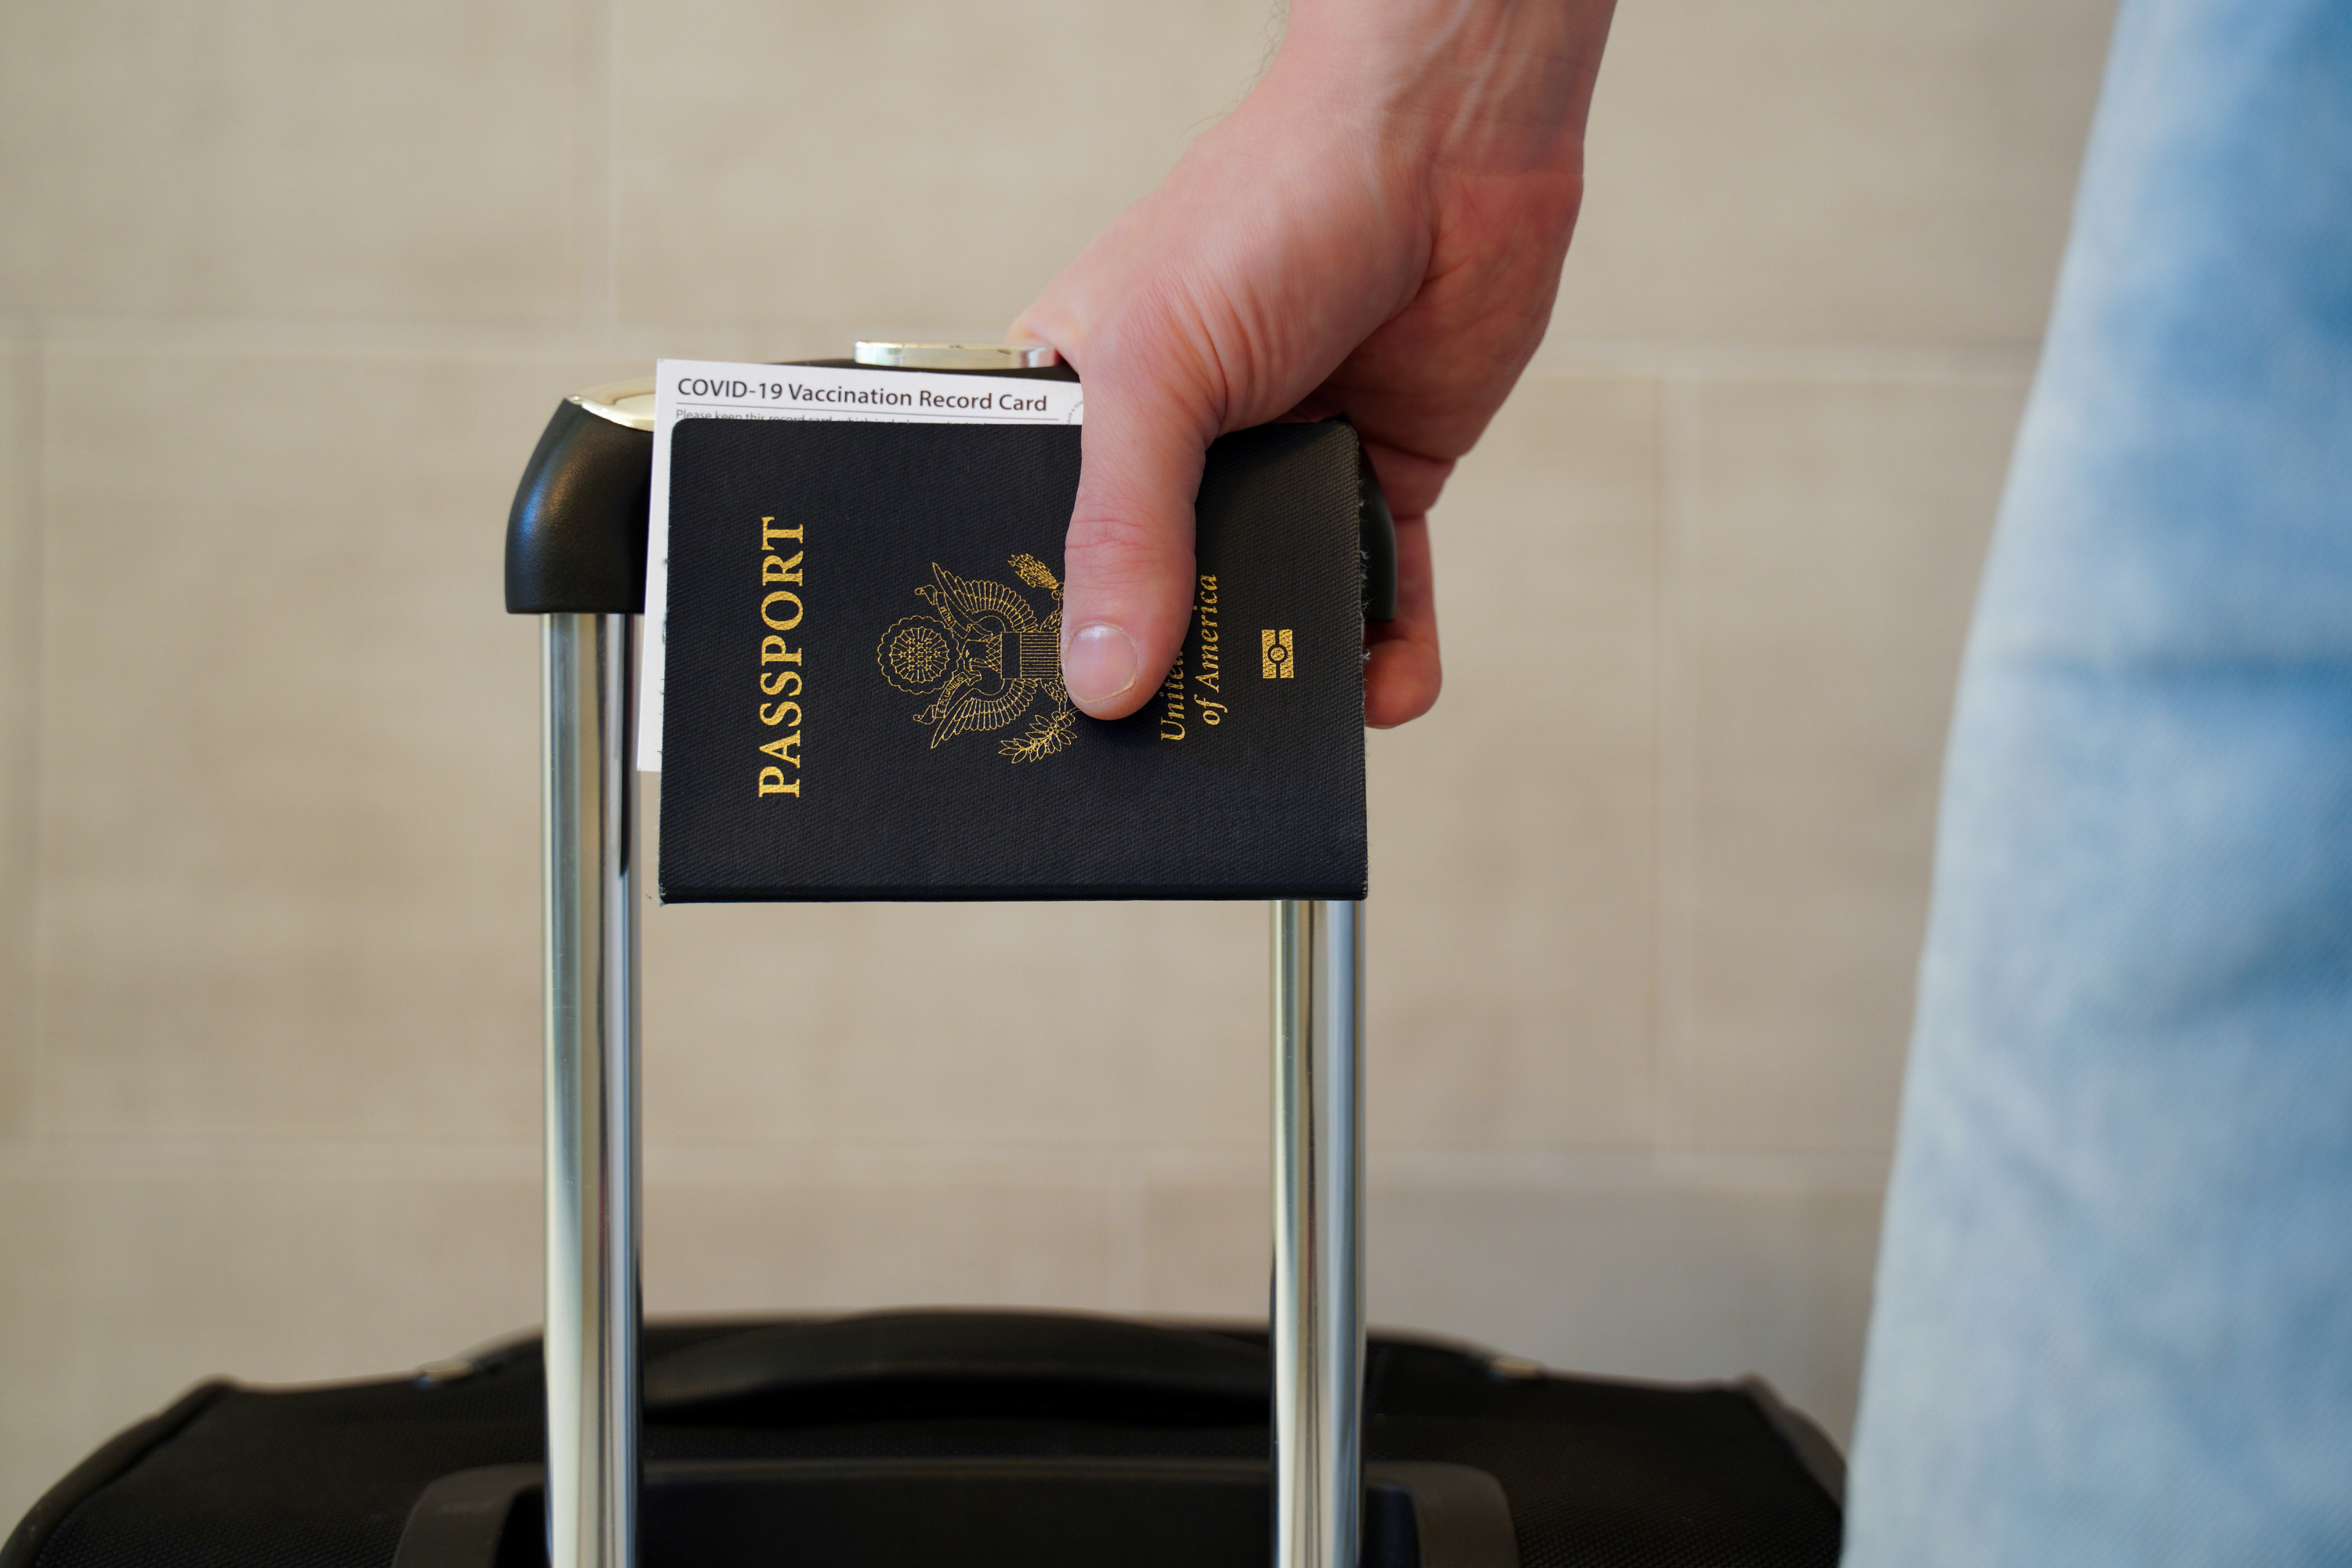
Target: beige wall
(286,288)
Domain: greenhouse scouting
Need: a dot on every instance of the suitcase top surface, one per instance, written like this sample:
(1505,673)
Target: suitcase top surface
(1594,1471)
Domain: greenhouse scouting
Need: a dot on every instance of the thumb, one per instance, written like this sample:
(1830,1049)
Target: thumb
(1129,557)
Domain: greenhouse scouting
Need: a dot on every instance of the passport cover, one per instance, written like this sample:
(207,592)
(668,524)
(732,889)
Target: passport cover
(863,695)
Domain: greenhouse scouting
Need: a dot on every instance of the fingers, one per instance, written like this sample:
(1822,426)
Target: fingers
(1401,674)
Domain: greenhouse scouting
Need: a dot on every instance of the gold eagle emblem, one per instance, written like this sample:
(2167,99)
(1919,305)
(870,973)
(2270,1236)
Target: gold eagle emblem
(984,658)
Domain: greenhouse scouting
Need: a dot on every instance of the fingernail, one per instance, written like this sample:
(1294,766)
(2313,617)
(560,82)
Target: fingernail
(1099,663)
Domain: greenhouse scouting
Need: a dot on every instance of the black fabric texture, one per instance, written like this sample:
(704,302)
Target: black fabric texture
(1599,1474)
(890,724)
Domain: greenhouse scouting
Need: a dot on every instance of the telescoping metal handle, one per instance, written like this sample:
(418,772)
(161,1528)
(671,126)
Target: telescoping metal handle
(1318,1228)
(591,1346)
(576,557)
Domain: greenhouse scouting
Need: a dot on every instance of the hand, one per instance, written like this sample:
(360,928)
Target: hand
(1377,232)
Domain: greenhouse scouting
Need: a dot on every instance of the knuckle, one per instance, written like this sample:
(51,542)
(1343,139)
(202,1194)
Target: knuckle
(1119,551)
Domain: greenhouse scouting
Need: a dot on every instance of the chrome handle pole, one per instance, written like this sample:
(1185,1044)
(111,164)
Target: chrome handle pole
(1318,1283)
(590,816)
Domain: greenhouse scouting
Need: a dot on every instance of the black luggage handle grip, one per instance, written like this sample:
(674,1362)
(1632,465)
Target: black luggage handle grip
(1064,1356)
(576,533)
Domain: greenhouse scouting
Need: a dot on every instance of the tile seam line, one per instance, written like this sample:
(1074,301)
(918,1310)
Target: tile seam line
(1694,1169)
(1662,666)
(1726,359)
(33,354)
(1675,845)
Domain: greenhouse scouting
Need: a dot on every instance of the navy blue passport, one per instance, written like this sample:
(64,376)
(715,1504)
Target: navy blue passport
(863,695)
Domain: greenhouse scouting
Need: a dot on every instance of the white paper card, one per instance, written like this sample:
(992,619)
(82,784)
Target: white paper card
(704,389)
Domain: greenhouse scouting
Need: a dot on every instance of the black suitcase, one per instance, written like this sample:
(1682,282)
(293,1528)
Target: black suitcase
(909,1440)
(923,1438)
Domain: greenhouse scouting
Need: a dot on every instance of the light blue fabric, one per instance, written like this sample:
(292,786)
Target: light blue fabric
(2114,1319)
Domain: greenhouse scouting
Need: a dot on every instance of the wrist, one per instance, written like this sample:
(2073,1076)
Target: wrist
(1492,87)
